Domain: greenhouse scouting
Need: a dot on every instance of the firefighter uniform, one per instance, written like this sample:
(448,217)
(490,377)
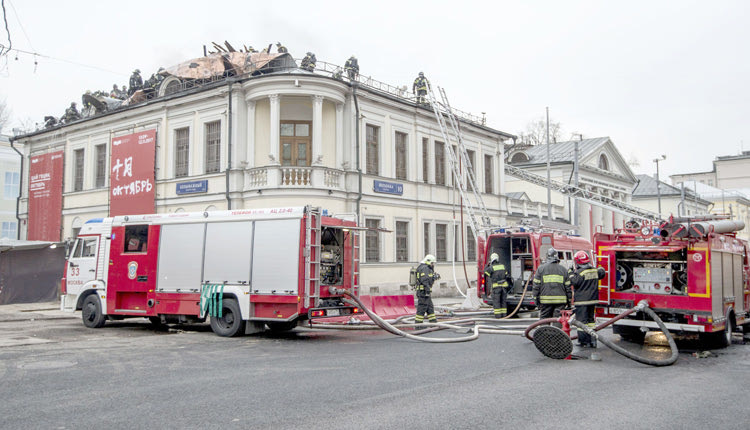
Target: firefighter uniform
(497,278)
(585,283)
(420,88)
(551,287)
(426,276)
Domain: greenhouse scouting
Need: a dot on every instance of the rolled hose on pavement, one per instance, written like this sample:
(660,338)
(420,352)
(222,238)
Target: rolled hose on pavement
(622,351)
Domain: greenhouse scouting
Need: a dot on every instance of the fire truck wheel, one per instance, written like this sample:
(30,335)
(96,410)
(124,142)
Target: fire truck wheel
(230,323)
(91,312)
(718,339)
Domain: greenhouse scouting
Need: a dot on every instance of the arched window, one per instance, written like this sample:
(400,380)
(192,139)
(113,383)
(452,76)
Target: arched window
(603,162)
(519,157)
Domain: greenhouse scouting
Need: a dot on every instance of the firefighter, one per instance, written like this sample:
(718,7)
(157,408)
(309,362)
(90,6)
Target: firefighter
(426,276)
(308,63)
(136,82)
(420,88)
(585,282)
(551,286)
(352,67)
(497,277)
(281,49)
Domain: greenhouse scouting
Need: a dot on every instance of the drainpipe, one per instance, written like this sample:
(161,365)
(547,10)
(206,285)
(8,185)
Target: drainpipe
(356,137)
(20,187)
(229,145)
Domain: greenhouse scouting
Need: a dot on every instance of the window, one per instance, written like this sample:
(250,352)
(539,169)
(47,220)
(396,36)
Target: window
(78,172)
(519,157)
(213,146)
(471,245)
(136,238)
(372,246)
(603,162)
(295,141)
(373,148)
(400,155)
(11,185)
(439,163)
(441,242)
(488,174)
(181,151)
(402,241)
(101,165)
(9,230)
(426,238)
(425,160)
(470,167)
(85,248)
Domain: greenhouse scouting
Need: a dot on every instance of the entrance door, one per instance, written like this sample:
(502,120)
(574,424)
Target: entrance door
(82,263)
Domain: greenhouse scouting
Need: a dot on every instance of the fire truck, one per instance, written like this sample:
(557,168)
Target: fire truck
(692,271)
(242,269)
(523,250)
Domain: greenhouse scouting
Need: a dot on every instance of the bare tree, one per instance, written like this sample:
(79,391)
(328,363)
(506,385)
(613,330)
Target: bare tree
(536,132)
(4,115)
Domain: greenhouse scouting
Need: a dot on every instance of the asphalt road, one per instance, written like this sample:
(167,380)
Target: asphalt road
(57,374)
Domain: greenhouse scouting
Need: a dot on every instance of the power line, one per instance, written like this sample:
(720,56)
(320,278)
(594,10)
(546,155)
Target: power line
(7,30)
(18,19)
(36,54)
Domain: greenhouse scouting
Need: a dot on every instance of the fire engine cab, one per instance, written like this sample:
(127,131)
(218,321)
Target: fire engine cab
(692,271)
(242,269)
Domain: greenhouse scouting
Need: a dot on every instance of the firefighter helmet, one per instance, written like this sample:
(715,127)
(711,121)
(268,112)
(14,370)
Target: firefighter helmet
(429,259)
(552,255)
(581,257)
(494,257)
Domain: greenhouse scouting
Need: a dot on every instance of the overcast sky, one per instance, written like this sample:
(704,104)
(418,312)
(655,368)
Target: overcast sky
(658,77)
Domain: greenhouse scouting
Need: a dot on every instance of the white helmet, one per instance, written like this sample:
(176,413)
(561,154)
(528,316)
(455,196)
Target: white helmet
(494,257)
(429,259)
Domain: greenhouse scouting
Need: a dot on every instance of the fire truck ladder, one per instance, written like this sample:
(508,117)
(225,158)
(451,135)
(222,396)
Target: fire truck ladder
(312,256)
(583,195)
(442,111)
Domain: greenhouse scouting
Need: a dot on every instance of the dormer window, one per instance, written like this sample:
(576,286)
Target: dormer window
(603,162)
(519,157)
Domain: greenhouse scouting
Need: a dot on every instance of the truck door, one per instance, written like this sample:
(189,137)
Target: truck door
(82,263)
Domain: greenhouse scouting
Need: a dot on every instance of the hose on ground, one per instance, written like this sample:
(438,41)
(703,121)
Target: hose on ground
(622,351)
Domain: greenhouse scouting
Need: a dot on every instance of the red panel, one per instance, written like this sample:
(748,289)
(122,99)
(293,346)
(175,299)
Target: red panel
(132,271)
(177,304)
(132,190)
(257,298)
(45,197)
(275,310)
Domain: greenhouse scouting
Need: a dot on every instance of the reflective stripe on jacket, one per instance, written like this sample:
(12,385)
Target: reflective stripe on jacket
(551,284)
(497,275)
(425,278)
(585,282)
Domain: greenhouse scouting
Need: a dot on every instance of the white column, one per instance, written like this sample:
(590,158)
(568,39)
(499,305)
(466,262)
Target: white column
(275,129)
(317,131)
(339,135)
(251,133)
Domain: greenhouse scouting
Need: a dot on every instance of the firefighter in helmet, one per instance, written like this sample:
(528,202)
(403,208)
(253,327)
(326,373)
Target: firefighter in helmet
(551,286)
(498,279)
(426,276)
(419,87)
(585,282)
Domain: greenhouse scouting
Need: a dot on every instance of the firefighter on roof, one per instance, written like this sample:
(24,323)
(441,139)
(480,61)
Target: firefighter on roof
(281,49)
(551,286)
(497,278)
(426,276)
(352,67)
(308,63)
(136,82)
(585,282)
(420,88)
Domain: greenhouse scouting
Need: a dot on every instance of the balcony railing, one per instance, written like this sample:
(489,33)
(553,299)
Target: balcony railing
(294,177)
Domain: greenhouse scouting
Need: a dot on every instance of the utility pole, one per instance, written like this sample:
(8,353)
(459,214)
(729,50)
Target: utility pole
(549,176)
(658,183)
(575,178)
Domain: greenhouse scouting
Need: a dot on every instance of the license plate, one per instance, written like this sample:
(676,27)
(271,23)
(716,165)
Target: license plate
(333,312)
(617,311)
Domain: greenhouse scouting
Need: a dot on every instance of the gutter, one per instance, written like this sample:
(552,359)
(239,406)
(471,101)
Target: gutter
(229,145)
(356,137)
(20,187)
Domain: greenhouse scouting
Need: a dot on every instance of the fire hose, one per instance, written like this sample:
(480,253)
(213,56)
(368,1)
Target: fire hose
(643,307)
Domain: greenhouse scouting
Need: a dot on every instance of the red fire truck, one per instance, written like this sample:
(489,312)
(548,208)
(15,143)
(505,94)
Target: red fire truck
(523,250)
(692,272)
(244,269)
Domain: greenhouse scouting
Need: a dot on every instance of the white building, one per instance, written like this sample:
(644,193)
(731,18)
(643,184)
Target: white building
(601,169)
(287,138)
(10,168)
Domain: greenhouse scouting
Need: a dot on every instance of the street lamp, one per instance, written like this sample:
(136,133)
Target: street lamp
(658,184)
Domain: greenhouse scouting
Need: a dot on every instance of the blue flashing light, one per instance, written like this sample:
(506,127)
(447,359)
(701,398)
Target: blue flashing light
(325,212)
(95,220)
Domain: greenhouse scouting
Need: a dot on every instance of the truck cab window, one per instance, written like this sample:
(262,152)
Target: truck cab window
(136,238)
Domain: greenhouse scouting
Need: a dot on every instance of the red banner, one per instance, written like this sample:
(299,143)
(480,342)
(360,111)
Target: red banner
(45,197)
(132,188)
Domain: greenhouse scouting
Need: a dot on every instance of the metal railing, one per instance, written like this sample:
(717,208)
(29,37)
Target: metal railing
(321,68)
